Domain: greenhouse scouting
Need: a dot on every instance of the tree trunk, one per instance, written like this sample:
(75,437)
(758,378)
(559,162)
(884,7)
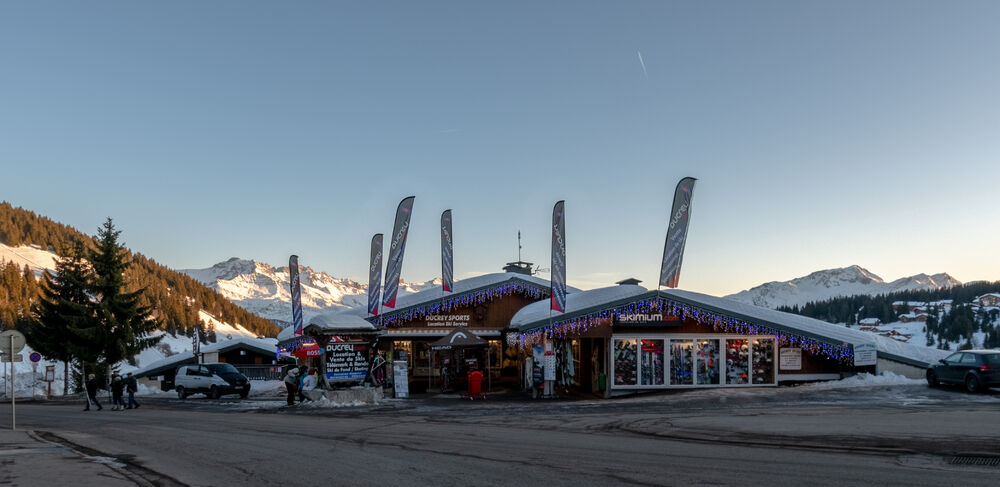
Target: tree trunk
(66,377)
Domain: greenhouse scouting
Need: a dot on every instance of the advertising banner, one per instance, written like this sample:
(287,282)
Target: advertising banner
(375,275)
(673,249)
(293,283)
(558,300)
(394,265)
(790,358)
(346,361)
(447,251)
(865,354)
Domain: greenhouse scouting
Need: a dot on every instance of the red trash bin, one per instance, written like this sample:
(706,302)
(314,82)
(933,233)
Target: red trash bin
(475,384)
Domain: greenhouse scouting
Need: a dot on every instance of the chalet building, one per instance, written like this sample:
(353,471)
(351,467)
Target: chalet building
(991,299)
(254,357)
(906,306)
(869,322)
(911,317)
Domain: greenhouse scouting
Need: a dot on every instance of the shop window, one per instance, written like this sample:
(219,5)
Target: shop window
(625,362)
(737,361)
(763,361)
(707,356)
(651,363)
(681,362)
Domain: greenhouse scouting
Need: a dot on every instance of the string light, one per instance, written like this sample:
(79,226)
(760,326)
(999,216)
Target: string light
(719,323)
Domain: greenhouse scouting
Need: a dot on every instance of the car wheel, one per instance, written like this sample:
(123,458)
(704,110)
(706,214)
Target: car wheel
(181,393)
(972,383)
(214,393)
(932,380)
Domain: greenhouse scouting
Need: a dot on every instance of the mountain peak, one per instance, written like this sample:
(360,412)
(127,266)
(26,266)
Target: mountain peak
(831,283)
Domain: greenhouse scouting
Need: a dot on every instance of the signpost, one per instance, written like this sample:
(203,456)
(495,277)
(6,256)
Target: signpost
(50,376)
(12,342)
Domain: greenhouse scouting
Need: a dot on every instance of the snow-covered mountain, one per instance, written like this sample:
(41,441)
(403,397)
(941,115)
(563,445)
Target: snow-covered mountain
(832,283)
(262,289)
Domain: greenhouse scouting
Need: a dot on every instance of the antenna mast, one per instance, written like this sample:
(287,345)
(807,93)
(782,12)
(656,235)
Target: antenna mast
(518,245)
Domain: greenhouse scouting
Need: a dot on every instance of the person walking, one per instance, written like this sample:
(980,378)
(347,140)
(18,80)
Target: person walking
(92,387)
(117,387)
(131,386)
(292,384)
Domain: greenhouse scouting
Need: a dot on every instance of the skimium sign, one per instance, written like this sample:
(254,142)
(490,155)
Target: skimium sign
(646,319)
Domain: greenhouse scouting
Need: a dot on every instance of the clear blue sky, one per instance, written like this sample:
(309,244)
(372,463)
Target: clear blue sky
(822,134)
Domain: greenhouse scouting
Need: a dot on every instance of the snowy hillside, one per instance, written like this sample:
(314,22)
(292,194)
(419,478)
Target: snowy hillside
(31,255)
(262,289)
(832,283)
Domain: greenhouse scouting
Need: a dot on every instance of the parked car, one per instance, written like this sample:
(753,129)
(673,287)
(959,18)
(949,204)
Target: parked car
(977,370)
(215,380)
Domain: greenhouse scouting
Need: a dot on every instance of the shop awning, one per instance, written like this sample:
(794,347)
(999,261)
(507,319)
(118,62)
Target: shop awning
(459,338)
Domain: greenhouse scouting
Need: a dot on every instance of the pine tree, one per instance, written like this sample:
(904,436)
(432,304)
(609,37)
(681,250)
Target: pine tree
(64,306)
(124,325)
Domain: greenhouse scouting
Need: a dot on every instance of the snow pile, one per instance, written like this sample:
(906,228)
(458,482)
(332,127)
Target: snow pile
(865,380)
(832,283)
(324,403)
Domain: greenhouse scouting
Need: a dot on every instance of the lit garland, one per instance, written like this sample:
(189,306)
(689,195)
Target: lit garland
(294,344)
(719,323)
(394,318)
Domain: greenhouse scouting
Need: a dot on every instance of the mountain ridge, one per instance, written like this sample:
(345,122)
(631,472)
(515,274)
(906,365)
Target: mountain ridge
(838,282)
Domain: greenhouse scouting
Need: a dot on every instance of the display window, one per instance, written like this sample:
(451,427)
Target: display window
(625,362)
(652,363)
(691,360)
(763,361)
(707,357)
(737,361)
(681,362)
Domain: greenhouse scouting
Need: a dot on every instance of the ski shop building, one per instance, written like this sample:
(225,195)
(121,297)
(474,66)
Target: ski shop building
(627,338)
(481,305)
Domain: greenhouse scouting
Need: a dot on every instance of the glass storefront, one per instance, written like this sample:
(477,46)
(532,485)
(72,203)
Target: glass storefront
(663,361)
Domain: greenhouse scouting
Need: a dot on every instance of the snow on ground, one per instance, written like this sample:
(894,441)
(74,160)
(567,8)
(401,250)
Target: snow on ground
(31,255)
(864,380)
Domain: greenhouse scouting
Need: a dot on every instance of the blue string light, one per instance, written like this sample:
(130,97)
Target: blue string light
(395,318)
(719,323)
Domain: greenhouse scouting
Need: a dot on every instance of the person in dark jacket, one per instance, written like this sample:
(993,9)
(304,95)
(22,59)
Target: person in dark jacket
(131,387)
(117,388)
(292,384)
(92,386)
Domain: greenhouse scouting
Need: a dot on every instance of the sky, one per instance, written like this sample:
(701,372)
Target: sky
(822,134)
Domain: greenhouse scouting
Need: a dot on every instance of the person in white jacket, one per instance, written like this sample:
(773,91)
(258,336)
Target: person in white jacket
(309,386)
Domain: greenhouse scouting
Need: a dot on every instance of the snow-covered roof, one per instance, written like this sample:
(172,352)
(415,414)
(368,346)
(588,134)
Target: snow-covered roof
(259,345)
(907,353)
(463,286)
(535,316)
(995,295)
(262,345)
(869,321)
(797,324)
(350,320)
(534,313)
